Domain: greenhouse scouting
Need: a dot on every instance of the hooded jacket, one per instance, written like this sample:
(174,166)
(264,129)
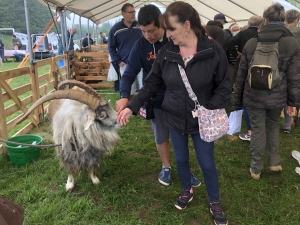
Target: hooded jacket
(141,56)
(287,90)
(207,74)
(295,31)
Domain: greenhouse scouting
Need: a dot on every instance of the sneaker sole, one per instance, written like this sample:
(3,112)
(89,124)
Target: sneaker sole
(297,170)
(198,185)
(294,156)
(178,207)
(215,221)
(163,183)
(245,139)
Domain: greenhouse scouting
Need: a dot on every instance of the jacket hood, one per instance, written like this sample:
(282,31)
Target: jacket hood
(275,28)
(295,31)
(215,23)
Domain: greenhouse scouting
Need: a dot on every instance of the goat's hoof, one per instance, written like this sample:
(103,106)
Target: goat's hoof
(95,180)
(69,186)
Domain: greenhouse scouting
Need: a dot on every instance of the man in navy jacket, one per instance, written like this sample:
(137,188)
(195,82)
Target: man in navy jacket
(122,37)
(142,56)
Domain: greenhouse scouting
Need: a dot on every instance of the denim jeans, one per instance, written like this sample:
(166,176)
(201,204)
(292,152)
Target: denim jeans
(287,118)
(205,156)
(245,112)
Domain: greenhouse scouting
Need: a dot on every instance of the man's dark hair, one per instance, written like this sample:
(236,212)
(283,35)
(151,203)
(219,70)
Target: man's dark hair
(125,6)
(14,36)
(101,32)
(149,14)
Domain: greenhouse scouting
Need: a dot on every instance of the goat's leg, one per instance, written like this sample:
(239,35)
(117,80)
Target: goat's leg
(70,183)
(93,177)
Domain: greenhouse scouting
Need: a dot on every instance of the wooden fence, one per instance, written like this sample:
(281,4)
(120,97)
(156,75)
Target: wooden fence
(15,100)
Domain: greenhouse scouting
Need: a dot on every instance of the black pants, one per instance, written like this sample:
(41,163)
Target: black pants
(117,82)
(2,54)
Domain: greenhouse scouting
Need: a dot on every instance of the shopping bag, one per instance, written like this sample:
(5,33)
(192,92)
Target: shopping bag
(112,73)
(235,122)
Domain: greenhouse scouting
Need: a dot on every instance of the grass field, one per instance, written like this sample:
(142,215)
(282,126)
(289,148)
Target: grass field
(129,192)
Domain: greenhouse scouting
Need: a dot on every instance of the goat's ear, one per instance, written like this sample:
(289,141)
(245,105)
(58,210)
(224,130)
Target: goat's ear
(90,121)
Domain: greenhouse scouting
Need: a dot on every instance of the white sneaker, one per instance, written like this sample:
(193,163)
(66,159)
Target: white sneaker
(296,155)
(297,170)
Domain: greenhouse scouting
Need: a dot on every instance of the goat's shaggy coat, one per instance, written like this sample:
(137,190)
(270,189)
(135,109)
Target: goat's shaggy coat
(82,149)
(86,128)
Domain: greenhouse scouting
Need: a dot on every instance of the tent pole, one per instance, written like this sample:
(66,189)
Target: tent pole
(64,12)
(88,32)
(62,31)
(28,30)
(80,36)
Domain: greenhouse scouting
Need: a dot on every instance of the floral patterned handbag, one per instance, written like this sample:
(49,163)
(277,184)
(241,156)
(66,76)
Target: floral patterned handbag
(213,124)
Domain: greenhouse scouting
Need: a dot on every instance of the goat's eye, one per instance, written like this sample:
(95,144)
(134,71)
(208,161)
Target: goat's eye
(103,115)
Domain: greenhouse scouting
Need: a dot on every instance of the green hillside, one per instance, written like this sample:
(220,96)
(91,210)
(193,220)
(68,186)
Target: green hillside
(13,15)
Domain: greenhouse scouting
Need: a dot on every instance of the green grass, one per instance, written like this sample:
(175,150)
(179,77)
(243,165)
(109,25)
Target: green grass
(129,192)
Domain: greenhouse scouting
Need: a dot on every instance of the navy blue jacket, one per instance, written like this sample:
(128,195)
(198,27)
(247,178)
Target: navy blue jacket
(121,39)
(141,56)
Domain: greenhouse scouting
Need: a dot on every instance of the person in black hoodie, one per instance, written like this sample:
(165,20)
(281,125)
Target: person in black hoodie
(142,56)
(215,30)
(205,64)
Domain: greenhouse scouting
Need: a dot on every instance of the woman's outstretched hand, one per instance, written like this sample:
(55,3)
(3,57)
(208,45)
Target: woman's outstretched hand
(124,116)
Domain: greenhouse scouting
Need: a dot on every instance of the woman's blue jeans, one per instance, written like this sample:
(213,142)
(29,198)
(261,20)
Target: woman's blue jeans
(205,155)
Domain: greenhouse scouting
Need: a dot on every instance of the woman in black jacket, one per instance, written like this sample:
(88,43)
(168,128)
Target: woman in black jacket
(206,67)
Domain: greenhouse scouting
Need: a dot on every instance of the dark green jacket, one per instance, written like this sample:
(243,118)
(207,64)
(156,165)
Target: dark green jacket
(287,91)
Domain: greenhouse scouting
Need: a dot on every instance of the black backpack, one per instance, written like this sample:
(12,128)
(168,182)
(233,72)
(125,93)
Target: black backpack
(263,72)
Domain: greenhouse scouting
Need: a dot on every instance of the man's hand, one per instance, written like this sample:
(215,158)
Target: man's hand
(122,64)
(291,111)
(124,116)
(121,104)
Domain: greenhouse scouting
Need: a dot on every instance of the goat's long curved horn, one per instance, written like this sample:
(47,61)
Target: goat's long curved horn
(82,97)
(84,86)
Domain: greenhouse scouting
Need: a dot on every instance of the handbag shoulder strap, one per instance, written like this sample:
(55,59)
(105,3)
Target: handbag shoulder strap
(187,85)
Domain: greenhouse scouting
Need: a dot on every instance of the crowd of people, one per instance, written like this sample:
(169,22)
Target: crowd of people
(217,62)
(148,53)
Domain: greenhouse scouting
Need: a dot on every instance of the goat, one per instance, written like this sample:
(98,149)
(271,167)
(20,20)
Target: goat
(84,123)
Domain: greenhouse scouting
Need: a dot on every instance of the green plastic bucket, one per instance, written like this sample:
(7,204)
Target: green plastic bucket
(20,155)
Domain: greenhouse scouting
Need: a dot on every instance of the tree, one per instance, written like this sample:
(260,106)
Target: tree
(13,15)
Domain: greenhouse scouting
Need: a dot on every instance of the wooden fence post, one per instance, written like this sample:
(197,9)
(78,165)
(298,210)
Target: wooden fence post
(34,81)
(3,128)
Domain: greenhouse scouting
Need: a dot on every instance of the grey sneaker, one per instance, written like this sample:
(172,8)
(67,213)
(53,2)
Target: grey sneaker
(245,137)
(164,176)
(286,129)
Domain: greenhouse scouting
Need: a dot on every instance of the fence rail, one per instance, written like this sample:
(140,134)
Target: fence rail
(15,101)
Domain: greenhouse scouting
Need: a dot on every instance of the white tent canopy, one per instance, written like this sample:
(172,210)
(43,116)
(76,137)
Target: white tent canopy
(100,11)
